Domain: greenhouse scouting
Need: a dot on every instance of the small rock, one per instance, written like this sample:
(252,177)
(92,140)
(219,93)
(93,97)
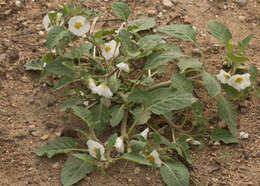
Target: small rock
(167,3)
(196,51)
(55,165)
(160,15)
(35,133)
(174,2)
(18,3)
(242,3)
(58,134)
(41,33)
(242,18)
(151,12)
(148,178)
(216,143)
(129,180)
(243,135)
(137,170)
(44,137)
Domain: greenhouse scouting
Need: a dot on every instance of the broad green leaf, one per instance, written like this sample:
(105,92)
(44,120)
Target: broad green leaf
(228,114)
(242,46)
(142,115)
(111,141)
(117,113)
(85,157)
(57,67)
(71,103)
(139,96)
(101,116)
(223,135)
(85,134)
(114,83)
(58,36)
(183,150)
(49,57)
(121,10)
(78,52)
(180,82)
(229,46)
(159,58)
(230,91)
(128,47)
(150,41)
(174,173)
(181,31)
(137,146)
(164,100)
(100,35)
(189,63)
(219,31)
(83,113)
(212,85)
(167,47)
(253,71)
(35,65)
(75,169)
(148,81)
(142,24)
(63,82)
(236,59)
(58,146)
(135,157)
(197,108)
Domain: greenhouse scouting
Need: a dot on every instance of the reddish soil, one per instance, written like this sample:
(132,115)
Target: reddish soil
(30,113)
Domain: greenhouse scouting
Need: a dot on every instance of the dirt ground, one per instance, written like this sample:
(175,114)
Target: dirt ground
(30,113)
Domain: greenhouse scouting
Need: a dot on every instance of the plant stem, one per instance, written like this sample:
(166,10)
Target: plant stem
(124,124)
(106,75)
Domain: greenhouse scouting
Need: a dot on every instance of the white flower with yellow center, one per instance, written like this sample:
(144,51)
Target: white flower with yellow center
(78,25)
(93,148)
(103,90)
(240,82)
(224,77)
(153,157)
(145,133)
(119,145)
(110,49)
(123,66)
(92,85)
(46,21)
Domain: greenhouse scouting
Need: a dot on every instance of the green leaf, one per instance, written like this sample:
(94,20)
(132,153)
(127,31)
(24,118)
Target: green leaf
(159,58)
(148,81)
(128,47)
(78,52)
(180,82)
(212,85)
(83,113)
(150,41)
(111,141)
(219,31)
(35,65)
(58,36)
(63,82)
(121,10)
(101,116)
(142,24)
(114,83)
(167,47)
(57,67)
(181,31)
(164,100)
(175,173)
(228,114)
(137,146)
(71,103)
(58,146)
(189,63)
(117,113)
(82,132)
(139,96)
(223,135)
(253,71)
(230,91)
(142,115)
(236,59)
(242,46)
(135,157)
(100,35)
(75,169)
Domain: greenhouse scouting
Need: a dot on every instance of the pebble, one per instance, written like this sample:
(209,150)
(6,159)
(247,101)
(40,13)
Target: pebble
(160,15)
(137,170)
(44,137)
(243,135)
(55,165)
(242,3)
(174,1)
(18,3)
(167,3)
(35,133)
(196,51)
(241,18)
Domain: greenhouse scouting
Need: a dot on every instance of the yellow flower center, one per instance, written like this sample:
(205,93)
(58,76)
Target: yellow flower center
(96,149)
(104,86)
(239,80)
(226,76)
(150,158)
(107,48)
(78,25)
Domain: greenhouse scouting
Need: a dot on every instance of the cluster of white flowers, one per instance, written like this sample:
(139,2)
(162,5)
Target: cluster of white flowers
(238,81)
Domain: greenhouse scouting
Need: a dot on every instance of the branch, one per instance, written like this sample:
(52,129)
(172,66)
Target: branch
(106,75)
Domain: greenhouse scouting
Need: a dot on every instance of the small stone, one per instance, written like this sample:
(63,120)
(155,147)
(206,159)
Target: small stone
(196,51)
(243,135)
(44,137)
(55,165)
(148,178)
(151,12)
(58,134)
(35,133)
(216,143)
(167,3)
(174,1)
(18,3)
(137,170)
(129,180)
(160,15)
(242,3)
(242,18)
(41,33)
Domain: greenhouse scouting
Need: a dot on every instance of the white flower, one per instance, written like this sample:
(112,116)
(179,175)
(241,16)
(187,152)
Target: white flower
(243,135)
(119,145)
(46,21)
(103,90)
(240,82)
(224,77)
(153,157)
(92,85)
(110,49)
(93,148)
(78,25)
(123,66)
(145,133)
